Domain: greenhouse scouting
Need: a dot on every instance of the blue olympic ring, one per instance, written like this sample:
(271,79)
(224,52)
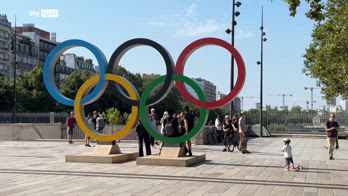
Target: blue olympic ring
(49,67)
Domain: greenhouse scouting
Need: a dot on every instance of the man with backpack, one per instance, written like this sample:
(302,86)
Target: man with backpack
(171,127)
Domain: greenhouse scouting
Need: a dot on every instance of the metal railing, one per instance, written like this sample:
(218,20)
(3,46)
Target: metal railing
(292,123)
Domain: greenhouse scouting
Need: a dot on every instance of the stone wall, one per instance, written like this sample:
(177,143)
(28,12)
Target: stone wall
(30,131)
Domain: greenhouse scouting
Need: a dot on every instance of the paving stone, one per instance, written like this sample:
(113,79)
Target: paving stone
(38,168)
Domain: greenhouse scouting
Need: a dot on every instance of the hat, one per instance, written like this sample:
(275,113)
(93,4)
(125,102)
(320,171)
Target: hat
(286,140)
(227,116)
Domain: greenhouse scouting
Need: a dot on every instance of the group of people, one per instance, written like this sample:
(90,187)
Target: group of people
(174,125)
(181,123)
(236,127)
(95,121)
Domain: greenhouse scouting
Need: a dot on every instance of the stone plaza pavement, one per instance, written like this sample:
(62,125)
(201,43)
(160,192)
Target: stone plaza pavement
(38,168)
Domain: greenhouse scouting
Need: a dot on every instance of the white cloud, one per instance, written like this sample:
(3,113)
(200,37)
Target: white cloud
(191,10)
(187,24)
(244,34)
(195,29)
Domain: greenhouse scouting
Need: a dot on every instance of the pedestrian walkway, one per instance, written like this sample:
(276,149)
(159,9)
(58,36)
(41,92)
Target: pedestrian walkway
(38,168)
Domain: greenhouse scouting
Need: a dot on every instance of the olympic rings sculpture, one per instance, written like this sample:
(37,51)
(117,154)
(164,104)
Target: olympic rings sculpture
(95,86)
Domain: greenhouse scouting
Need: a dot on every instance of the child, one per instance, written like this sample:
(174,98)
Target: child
(288,156)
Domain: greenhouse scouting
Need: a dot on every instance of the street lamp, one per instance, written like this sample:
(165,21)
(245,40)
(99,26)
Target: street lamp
(231,31)
(263,39)
(311,89)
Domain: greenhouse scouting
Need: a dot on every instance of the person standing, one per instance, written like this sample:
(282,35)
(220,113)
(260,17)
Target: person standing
(164,117)
(153,121)
(243,132)
(331,129)
(218,125)
(189,120)
(227,129)
(90,123)
(70,123)
(100,124)
(143,137)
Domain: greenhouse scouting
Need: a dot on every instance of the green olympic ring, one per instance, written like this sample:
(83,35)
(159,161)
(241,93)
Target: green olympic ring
(143,110)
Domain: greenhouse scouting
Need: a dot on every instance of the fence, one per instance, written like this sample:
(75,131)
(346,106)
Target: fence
(45,117)
(109,129)
(295,123)
(275,122)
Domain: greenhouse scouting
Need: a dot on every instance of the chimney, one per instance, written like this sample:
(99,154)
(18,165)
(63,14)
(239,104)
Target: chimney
(53,36)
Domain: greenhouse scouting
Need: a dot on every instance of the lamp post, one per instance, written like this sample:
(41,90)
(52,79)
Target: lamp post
(263,39)
(14,72)
(311,89)
(231,31)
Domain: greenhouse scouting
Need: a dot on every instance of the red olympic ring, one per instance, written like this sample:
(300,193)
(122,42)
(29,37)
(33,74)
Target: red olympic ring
(185,54)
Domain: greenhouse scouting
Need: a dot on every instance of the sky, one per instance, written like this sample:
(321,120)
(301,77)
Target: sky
(175,24)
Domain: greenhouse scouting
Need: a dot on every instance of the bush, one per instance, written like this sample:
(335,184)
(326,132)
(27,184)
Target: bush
(115,117)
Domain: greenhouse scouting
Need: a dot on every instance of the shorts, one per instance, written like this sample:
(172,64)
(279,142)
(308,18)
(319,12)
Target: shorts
(69,131)
(289,160)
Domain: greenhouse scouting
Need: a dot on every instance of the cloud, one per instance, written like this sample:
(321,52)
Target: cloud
(244,34)
(191,10)
(187,24)
(195,29)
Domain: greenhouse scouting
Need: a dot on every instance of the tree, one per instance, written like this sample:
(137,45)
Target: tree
(6,95)
(315,12)
(326,58)
(71,84)
(32,95)
(296,109)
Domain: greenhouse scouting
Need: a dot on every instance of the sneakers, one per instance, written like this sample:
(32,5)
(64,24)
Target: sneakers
(190,153)
(331,158)
(224,150)
(87,145)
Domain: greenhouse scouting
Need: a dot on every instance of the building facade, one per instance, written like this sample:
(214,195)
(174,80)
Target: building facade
(41,38)
(70,63)
(26,55)
(208,88)
(5,47)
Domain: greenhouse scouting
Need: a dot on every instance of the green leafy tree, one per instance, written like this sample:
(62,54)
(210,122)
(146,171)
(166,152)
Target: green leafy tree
(296,109)
(315,11)
(32,95)
(71,84)
(326,58)
(6,95)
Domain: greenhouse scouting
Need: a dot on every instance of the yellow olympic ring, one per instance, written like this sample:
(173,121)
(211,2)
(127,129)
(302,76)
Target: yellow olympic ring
(82,122)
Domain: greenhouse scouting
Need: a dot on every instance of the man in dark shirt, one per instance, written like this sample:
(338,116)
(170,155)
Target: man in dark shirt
(189,120)
(331,129)
(143,137)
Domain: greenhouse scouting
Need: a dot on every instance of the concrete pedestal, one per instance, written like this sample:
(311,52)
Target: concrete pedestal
(172,155)
(102,154)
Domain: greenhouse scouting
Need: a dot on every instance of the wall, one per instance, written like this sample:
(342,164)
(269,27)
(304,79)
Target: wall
(30,131)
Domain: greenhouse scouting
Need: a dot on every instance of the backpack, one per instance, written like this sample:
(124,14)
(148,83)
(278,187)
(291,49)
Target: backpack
(100,123)
(169,129)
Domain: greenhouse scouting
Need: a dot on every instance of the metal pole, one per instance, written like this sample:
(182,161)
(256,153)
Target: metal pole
(242,102)
(283,101)
(232,110)
(311,98)
(261,75)
(15,72)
